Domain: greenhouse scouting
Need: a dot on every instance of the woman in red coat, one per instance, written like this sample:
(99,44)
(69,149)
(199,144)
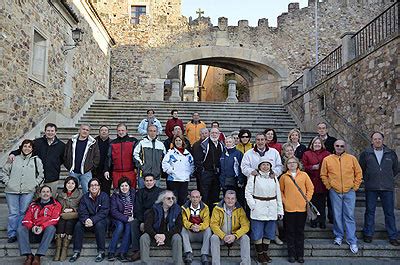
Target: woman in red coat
(312,160)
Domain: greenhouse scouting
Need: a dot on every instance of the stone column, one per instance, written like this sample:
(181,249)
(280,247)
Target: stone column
(176,88)
(348,47)
(232,92)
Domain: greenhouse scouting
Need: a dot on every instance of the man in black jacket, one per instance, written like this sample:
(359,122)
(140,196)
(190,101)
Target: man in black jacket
(145,199)
(103,141)
(50,150)
(380,166)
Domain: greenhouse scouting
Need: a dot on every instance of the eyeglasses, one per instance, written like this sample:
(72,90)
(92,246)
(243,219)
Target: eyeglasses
(170,198)
(244,136)
(339,146)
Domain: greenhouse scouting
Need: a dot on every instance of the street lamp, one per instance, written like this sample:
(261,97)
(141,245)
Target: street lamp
(76,37)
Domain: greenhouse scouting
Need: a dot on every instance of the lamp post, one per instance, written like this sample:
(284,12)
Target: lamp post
(76,37)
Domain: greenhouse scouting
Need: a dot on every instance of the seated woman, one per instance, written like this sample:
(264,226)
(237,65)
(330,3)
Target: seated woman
(40,220)
(162,226)
(21,177)
(122,211)
(69,199)
(93,212)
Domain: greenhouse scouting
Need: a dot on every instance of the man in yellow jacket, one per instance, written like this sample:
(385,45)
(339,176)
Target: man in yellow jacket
(229,225)
(196,227)
(193,128)
(342,175)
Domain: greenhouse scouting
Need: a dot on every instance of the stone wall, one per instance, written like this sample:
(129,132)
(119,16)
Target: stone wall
(146,52)
(361,98)
(72,77)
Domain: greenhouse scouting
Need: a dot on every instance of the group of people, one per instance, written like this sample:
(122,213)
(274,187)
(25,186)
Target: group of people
(261,184)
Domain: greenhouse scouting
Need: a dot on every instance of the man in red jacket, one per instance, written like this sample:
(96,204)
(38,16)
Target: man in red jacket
(120,157)
(40,219)
(171,123)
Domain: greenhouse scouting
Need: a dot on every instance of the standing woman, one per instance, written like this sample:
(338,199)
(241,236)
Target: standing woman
(178,163)
(244,141)
(122,212)
(69,199)
(295,207)
(294,138)
(263,196)
(272,139)
(312,160)
(21,177)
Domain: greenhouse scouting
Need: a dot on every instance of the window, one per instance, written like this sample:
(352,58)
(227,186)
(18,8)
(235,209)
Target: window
(136,11)
(38,69)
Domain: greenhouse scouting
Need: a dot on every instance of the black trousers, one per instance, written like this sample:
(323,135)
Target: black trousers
(180,189)
(209,183)
(105,185)
(319,200)
(294,228)
(66,226)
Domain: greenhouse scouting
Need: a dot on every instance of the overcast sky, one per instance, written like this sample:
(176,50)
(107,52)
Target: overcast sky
(236,10)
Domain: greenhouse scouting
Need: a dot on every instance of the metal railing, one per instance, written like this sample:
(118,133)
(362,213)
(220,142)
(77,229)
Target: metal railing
(326,66)
(292,90)
(379,29)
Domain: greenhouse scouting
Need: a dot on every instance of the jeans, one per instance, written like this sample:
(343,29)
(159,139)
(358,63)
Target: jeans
(23,240)
(343,205)
(99,229)
(176,244)
(203,237)
(387,199)
(141,183)
(83,179)
(216,243)
(120,228)
(262,229)
(17,205)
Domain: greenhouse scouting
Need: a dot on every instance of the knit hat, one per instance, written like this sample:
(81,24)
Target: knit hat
(264,159)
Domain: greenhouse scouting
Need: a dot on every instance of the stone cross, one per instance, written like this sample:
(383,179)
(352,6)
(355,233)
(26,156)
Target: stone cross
(200,12)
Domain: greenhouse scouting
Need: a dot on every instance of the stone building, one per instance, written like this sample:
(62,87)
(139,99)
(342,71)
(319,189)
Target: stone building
(153,38)
(44,77)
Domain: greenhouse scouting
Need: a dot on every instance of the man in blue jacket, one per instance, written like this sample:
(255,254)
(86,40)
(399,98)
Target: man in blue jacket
(93,212)
(380,166)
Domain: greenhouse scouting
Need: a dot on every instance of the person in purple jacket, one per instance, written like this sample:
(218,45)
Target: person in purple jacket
(122,211)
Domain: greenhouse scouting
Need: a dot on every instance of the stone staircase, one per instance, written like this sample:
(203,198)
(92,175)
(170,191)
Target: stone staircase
(254,116)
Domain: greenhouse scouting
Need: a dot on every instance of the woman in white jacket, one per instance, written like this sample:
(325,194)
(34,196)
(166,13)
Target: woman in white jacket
(179,165)
(263,196)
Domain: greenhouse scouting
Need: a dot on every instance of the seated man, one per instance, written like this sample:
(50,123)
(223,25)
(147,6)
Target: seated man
(93,212)
(145,198)
(162,225)
(196,222)
(229,225)
(40,219)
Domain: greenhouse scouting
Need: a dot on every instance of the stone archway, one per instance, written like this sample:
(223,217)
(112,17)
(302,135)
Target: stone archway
(264,74)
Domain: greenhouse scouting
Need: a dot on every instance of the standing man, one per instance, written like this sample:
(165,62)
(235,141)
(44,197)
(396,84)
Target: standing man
(103,141)
(215,124)
(50,150)
(145,198)
(81,156)
(328,142)
(148,155)
(208,163)
(229,225)
(193,128)
(380,166)
(171,123)
(342,176)
(151,120)
(252,157)
(120,157)
(197,153)
(196,227)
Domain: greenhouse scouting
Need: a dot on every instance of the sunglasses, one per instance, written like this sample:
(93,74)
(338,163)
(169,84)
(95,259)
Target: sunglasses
(169,198)
(339,146)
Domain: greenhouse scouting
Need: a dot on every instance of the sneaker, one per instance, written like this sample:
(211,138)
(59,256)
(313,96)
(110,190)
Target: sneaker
(337,241)
(278,241)
(100,257)
(367,239)
(111,257)
(75,257)
(12,239)
(354,248)
(188,258)
(394,242)
(123,257)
